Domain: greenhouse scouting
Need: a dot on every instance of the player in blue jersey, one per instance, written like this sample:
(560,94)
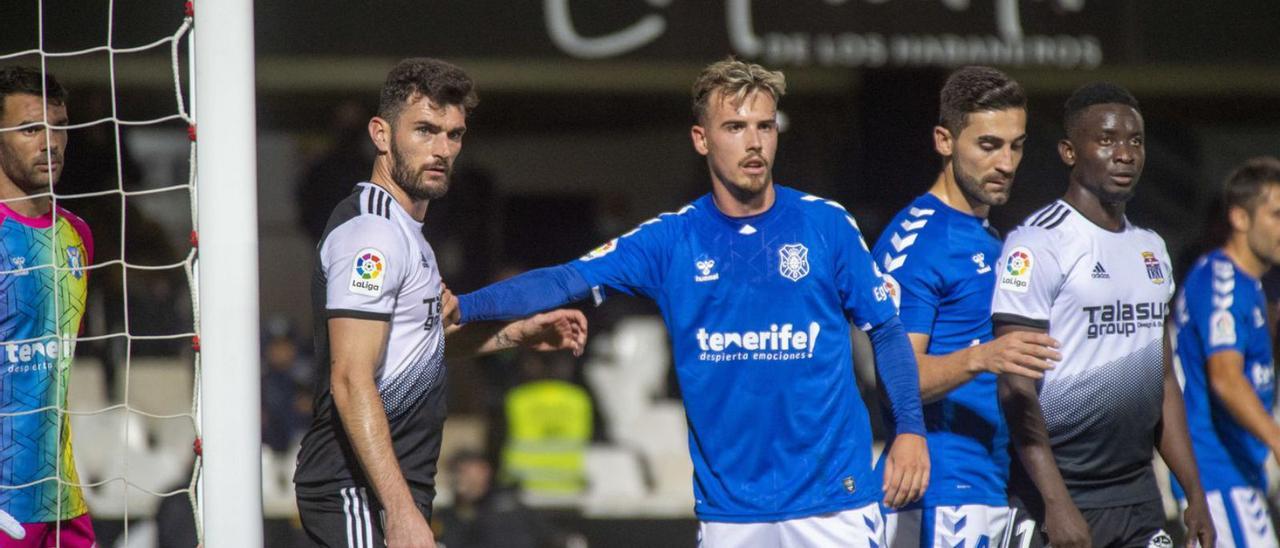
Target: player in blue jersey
(758,284)
(1224,352)
(938,254)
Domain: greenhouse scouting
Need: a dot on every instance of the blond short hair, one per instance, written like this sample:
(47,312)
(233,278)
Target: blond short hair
(735,80)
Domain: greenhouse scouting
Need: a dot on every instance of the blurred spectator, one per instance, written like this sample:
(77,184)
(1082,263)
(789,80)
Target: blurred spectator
(286,372)
(330,178)
(549,425)
(483,516)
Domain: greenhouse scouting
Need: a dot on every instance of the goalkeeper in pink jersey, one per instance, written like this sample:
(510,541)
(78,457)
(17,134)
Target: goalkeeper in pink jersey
(43,255)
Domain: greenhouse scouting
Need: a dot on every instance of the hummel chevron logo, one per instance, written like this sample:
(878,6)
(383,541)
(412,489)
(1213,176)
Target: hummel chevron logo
(909,225)
(900,243)
(892,263)
(917,212)
(1100,273)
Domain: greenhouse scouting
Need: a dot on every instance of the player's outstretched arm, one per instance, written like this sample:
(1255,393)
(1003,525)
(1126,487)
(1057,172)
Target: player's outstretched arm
(528,293)
(906,473)
(1064,524)
(562,329)
(1174,444)
(355,346)
(1024,353)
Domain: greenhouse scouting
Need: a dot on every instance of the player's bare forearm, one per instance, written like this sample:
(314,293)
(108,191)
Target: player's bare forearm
(1019,352)
(1030,437)
(940,374)
(1174,444)
(356,346)
(1227,380)
(562,329)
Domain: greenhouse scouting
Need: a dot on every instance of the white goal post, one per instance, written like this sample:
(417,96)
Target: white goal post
(226,166)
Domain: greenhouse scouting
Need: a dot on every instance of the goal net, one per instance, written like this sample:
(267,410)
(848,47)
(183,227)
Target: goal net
(104,340)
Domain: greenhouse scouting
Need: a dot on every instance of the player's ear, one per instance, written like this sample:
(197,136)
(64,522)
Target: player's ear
(1239,219)
(380,134)
(699,136)
(1067,152)
(942,141)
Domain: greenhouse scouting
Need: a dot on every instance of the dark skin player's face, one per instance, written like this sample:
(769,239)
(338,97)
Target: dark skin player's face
(1106,151)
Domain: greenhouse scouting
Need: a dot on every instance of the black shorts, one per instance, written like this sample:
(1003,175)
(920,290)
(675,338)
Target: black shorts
(1134,526)
(349,517)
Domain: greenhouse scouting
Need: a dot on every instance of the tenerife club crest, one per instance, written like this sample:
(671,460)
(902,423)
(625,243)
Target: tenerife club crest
(74,262)
(793,261)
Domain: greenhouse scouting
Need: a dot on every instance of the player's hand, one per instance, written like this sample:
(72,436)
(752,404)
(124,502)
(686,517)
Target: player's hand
(1065,527)
(1022,353)
(906,470)
(1199,524)
(449,311)
(561,329)
(409,530)
(11,527)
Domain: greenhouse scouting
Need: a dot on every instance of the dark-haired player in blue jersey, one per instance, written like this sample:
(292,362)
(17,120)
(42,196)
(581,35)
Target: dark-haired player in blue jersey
(1224,353)
(938,254)
(758,284)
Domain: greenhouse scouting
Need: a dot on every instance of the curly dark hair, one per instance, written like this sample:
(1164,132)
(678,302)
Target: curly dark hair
(439,81)
(1096,93)
(972,89)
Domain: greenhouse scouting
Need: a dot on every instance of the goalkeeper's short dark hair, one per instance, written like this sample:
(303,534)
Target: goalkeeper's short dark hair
(439,81)
(23,80)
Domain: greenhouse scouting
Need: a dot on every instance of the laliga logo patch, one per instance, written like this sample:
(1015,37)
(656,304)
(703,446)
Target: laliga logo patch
(1017,270)
(367,271)
(601,251)
(793,261)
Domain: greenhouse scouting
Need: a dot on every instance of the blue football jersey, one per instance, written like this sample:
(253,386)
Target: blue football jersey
(1223,308)
(758,310)
(938,263)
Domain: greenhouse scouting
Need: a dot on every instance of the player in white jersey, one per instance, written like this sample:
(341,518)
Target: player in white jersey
(366,471)
(1079,270)
(1224,350)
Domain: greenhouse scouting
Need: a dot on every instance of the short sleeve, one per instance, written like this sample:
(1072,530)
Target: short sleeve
(1028,277)
(863,292)
(364,261)
(630,264)
(1219,312)
(917,288)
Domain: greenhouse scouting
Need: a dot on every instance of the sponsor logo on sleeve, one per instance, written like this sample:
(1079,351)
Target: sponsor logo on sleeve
(368,271)
(891,290)
(1222,328)
(601,251)
(1016,276)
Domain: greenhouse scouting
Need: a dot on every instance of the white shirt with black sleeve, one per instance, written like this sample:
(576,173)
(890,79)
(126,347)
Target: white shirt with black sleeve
(1104,296)
(374,263)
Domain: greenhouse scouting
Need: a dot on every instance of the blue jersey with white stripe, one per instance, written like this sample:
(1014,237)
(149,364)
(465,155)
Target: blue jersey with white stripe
(758,310)
(940,260)
(1221,309)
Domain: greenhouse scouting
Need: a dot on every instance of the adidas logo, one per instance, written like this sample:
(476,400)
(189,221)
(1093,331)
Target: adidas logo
(1100,273)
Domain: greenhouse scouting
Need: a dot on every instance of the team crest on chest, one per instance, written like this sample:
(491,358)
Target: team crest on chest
(74,262)
(1154,270)
(793,261)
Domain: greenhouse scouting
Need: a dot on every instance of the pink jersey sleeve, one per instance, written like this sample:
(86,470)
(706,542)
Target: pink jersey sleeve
(83,229)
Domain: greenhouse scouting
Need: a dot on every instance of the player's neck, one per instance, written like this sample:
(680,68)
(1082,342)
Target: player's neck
(1237,249)
(947,190)
(415,208)
(22,203)
(741,204)
(1107,215)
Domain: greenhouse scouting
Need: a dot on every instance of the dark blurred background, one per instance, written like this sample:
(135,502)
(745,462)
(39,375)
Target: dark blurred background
(582,132)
